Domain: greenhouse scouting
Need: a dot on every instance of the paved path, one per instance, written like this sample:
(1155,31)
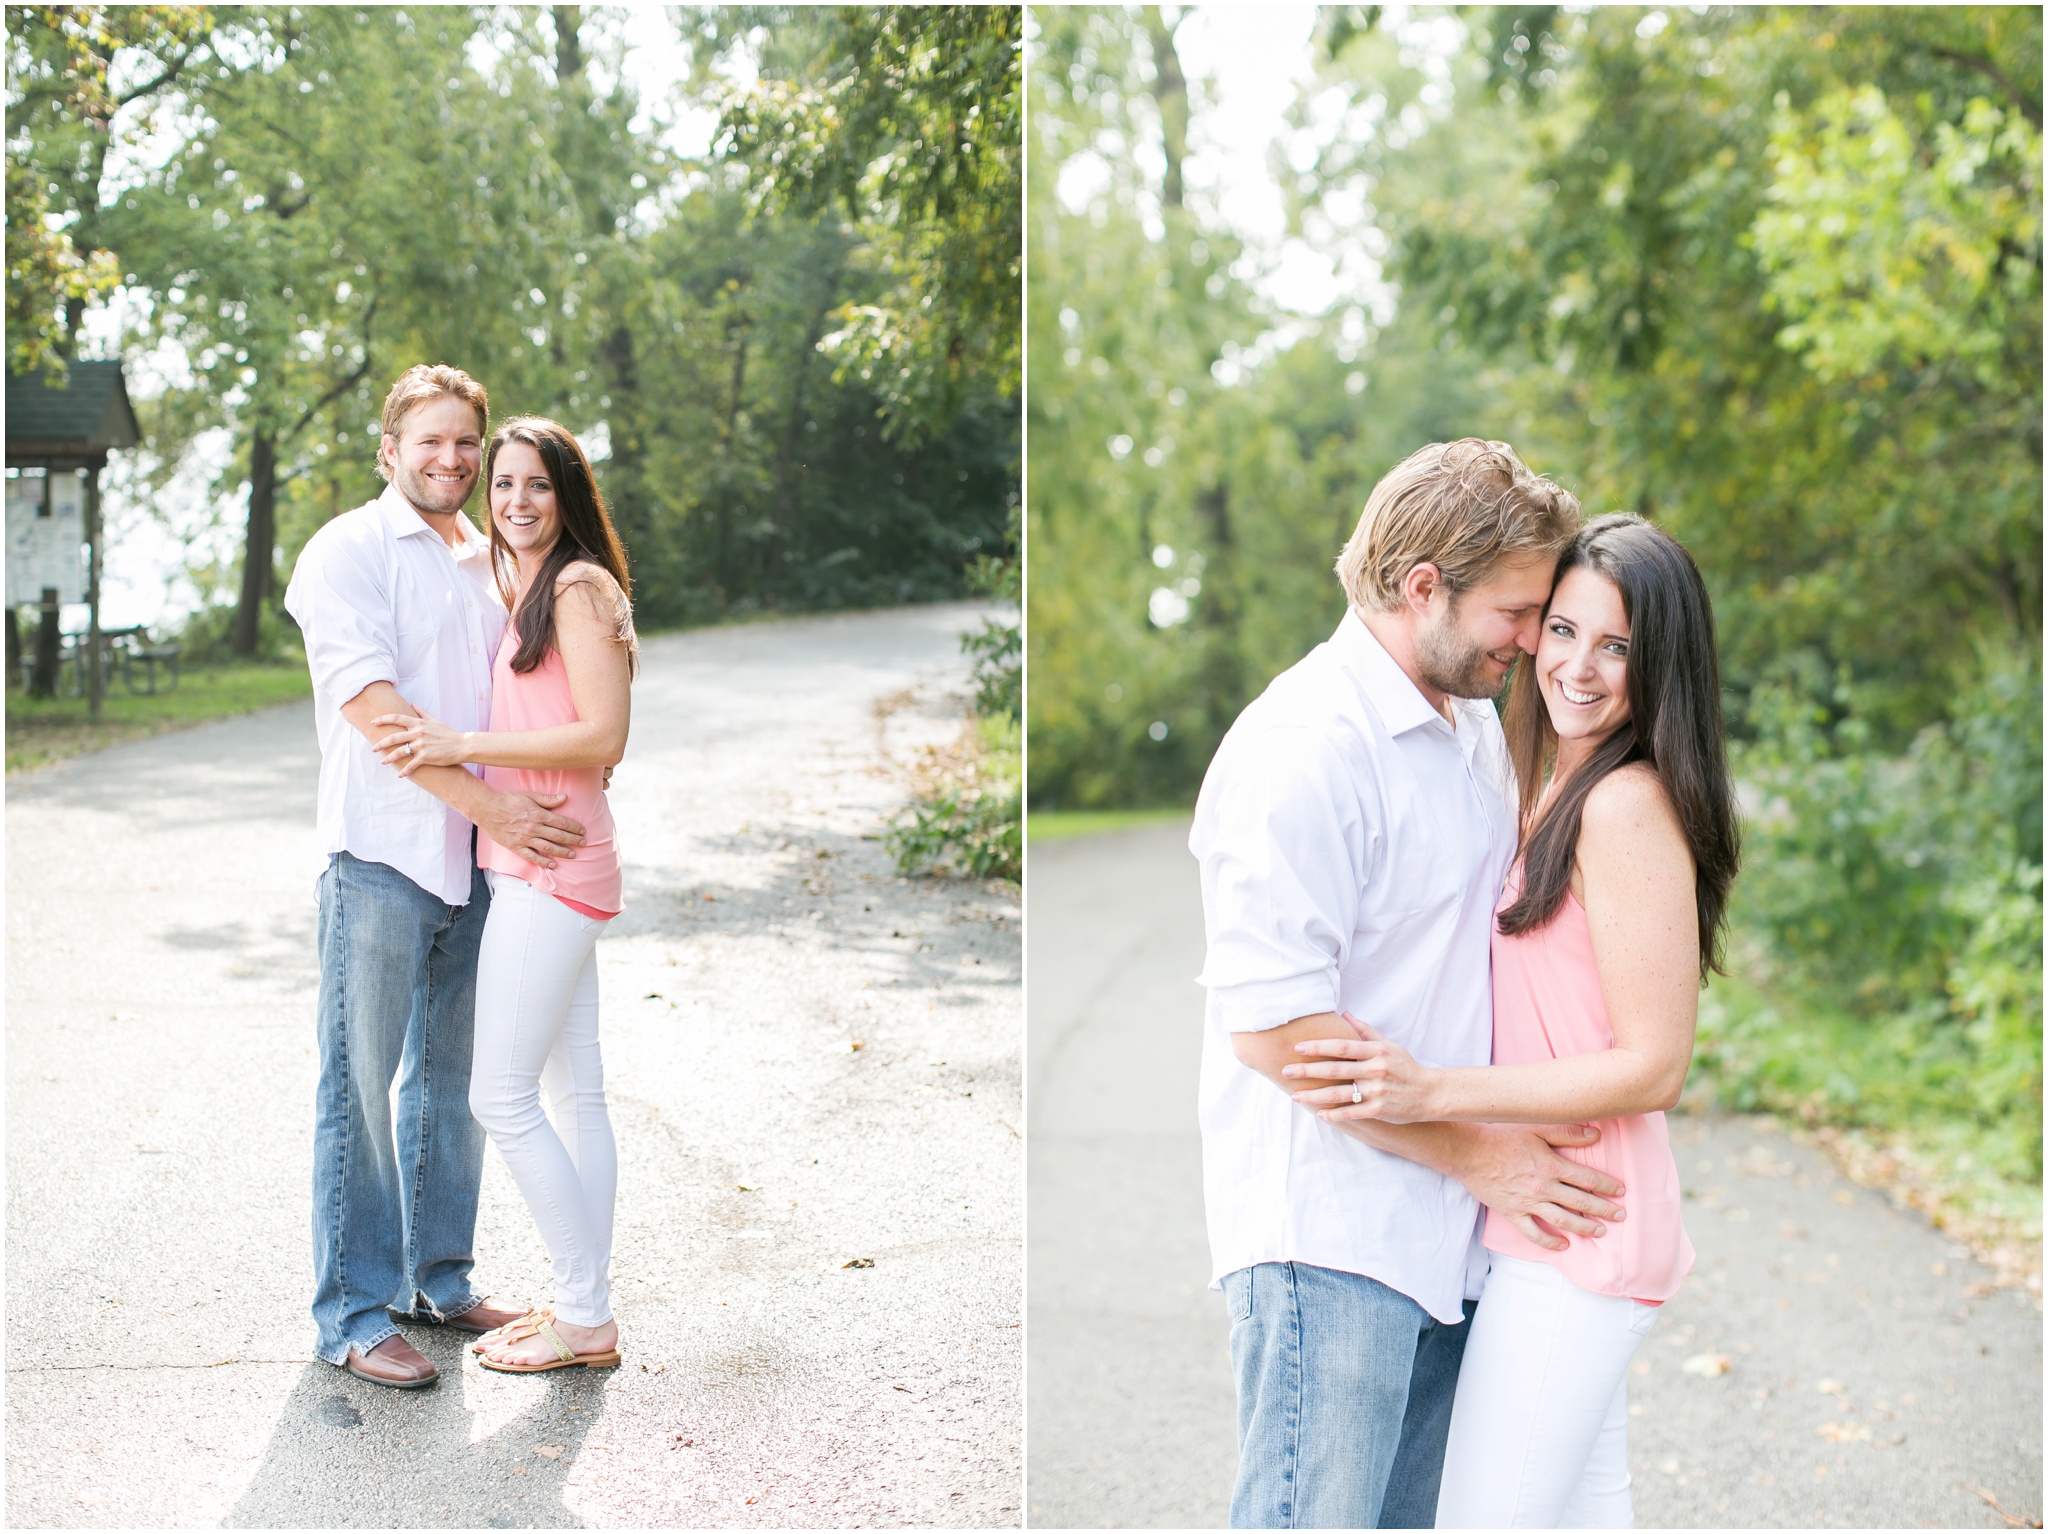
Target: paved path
(1868,1384)
(159,1088)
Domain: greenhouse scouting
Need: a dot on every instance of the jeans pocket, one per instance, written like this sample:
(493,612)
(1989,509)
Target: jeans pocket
(1237,1293)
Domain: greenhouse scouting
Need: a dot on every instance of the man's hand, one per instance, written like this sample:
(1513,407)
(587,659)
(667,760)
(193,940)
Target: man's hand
(1513,1170)
(522,823)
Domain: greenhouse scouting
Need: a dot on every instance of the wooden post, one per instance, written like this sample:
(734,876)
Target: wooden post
(96,682)
(43,682)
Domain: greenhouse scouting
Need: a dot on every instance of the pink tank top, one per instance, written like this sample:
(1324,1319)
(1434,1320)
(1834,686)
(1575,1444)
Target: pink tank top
(590,881)
(1547,1005)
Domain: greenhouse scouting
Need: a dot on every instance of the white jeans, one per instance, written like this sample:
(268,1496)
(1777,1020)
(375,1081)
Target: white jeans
(536,1022)
(1539,1427)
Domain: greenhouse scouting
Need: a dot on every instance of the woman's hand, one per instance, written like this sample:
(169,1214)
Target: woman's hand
(1378,1079)
(420,740)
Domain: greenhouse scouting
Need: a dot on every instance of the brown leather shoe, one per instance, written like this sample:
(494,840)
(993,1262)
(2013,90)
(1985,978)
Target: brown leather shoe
(394,1362)
(485,1317)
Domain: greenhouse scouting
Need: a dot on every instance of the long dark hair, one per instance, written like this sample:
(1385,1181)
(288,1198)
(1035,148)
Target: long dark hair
(587,535)
(1673,726)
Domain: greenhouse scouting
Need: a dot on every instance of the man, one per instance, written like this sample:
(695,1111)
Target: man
(1354,831)
(398,609)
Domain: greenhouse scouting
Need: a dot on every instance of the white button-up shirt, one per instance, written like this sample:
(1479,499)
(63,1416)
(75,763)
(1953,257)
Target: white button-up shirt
(380,597)
(1353,845)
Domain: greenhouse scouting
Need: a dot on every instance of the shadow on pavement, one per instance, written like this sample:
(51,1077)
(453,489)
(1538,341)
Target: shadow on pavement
(347,1454)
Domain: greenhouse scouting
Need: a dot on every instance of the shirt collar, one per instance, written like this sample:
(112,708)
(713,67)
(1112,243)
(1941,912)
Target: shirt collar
(1397,700)
(402,521)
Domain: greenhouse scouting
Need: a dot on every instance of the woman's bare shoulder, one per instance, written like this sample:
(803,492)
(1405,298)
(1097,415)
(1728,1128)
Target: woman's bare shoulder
(594,603)
(593,577)
(1628,810)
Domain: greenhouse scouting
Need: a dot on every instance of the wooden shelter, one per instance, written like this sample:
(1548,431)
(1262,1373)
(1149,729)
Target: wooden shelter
(58,438)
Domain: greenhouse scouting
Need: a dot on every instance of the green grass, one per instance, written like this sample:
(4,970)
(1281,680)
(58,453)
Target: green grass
(43,731)
(1065,825)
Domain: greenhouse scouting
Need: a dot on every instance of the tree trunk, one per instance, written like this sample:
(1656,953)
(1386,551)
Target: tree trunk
(568,42)
(722,554)
(792,428)
(1220,612)
(260,548)
(1170,90)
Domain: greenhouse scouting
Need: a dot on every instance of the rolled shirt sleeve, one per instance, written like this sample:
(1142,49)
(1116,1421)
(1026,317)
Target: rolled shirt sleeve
(1284,851)
(347,618)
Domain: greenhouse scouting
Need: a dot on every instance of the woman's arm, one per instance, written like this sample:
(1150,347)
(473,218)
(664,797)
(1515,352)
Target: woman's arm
(598,663)
(1637,874)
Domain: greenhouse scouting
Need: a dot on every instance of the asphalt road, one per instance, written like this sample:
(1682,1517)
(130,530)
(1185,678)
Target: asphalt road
(160,987)
(1871,1380)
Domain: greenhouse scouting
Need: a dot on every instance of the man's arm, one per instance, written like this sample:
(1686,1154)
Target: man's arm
(1514,1171)
(521,822)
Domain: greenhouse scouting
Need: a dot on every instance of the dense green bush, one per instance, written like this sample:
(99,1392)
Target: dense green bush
(1889,922)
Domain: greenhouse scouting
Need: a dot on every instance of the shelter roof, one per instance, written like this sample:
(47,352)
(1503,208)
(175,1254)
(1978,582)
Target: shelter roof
(79,421)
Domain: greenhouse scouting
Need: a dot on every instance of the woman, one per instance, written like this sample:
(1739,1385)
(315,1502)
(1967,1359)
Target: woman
(560,704)
(1611,919)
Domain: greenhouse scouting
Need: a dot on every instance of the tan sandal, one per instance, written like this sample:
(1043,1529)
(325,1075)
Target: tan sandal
(538,1325)
(535,1314)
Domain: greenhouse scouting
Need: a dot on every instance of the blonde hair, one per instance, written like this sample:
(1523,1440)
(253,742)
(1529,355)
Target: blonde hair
(430,381)
(1462,506)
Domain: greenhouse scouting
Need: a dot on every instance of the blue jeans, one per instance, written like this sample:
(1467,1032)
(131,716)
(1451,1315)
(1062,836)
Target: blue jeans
(394,1204)
(1344,1391)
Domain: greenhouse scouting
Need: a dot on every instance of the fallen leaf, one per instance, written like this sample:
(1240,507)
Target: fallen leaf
(1790,1231)
(2010,1521)
(746,1187)
(1831,1388)
(858,1262)
(856,1046)
(548,1450)
(1844,1196)
(1706,1365)
(1939,1270)
(1844,1432)
(1980,1291)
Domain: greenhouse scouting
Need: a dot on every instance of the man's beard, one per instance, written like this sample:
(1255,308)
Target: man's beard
(427,495)
(1452,662)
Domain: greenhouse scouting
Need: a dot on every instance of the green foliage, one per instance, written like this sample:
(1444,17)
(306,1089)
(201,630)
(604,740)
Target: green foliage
(997,647)
(970,820)
(1192,475)
(1892,907)
(61,104)
(908,119)
(368,188)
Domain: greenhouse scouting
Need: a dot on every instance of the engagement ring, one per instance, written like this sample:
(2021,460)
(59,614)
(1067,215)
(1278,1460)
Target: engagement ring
(1357,1093)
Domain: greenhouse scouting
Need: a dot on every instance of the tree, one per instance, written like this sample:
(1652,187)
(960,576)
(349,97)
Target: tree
(62,107)
(910,120)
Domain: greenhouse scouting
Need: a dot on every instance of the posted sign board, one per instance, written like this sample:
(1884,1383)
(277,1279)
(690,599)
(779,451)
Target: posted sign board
(45,537)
